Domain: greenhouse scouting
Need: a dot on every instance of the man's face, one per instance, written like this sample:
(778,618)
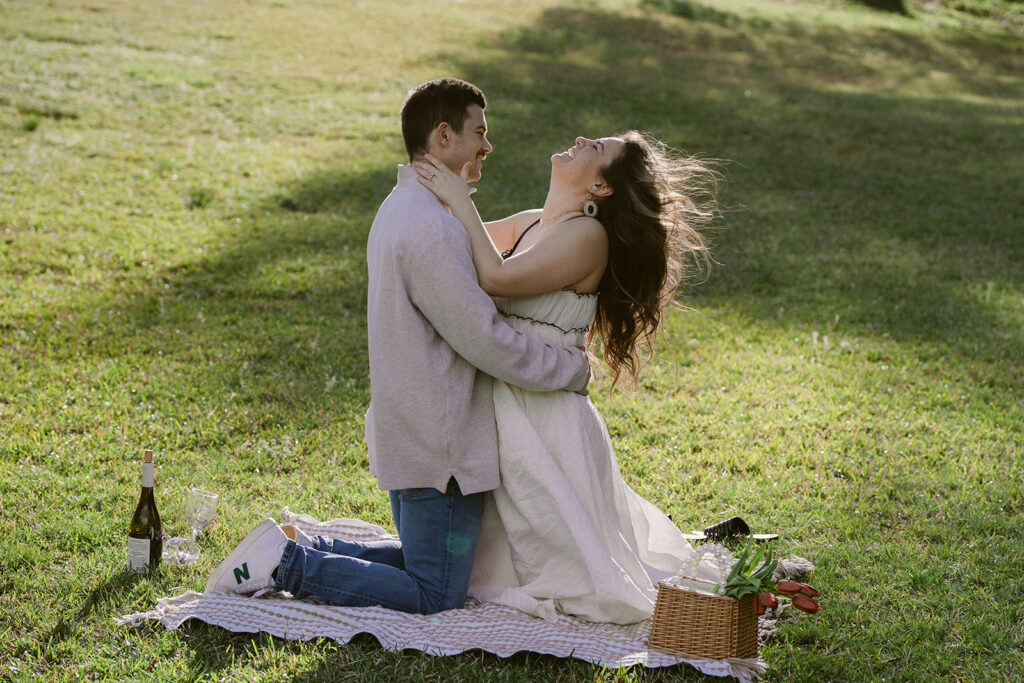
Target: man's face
(471,144)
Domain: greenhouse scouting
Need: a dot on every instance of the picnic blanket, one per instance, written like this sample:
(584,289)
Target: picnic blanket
(477,626)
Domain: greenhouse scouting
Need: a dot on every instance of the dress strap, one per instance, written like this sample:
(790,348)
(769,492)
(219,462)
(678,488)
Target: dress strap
(508,252)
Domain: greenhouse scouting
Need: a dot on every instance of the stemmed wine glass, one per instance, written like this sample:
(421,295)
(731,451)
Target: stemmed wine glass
(200,508)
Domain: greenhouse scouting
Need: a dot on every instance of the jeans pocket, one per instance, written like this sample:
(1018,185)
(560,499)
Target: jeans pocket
(407,495)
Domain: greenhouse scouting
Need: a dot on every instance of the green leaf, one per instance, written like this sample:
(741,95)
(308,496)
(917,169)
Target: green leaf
(740,566)
(767,567)
(757,556)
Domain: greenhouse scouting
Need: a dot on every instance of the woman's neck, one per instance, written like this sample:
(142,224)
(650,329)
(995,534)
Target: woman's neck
(559,205)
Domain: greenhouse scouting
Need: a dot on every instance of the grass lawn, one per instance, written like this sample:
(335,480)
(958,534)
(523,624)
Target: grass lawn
(185,193)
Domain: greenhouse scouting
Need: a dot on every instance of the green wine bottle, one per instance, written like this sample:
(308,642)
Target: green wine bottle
(145,535)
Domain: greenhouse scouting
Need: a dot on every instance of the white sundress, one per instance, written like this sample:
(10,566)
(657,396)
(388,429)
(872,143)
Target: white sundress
(564,532)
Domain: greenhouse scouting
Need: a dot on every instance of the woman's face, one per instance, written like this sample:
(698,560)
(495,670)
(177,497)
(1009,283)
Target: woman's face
(582,163)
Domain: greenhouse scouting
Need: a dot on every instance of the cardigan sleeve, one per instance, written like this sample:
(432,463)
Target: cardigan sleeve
(443,285)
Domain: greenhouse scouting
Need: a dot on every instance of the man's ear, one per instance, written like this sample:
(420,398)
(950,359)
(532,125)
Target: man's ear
(444,134)
(440,139)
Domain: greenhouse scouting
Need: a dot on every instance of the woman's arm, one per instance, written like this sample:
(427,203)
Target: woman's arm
(577,249)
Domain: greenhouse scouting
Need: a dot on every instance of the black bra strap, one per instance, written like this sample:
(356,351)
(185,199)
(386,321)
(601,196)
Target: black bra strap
(508,252)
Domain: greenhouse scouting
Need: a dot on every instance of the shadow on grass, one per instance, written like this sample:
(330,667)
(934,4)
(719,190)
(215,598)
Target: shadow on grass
(212,649)
(700,12)
(869,208)
(884,206)
(110,587)
(275,319)
(364,656)
(888,212)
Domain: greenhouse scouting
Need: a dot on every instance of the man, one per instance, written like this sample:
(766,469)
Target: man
(435,342)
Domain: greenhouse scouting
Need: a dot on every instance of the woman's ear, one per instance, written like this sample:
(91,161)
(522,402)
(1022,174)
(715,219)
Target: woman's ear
(601,189)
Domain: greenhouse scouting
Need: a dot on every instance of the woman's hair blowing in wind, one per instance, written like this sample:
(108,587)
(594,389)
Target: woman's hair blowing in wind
(660,199)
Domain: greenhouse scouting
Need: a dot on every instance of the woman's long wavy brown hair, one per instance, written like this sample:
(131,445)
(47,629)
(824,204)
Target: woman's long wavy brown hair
(660,199)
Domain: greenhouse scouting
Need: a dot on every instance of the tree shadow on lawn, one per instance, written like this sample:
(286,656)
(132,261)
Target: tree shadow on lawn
(860,198)
(867,211)
(110,587)
(212,649)
(861,203)
(275,319)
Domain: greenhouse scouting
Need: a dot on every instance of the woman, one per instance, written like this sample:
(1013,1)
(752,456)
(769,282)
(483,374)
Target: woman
(600,260)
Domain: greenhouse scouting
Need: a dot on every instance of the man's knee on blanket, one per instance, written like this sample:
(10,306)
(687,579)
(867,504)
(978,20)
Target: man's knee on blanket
(433,602)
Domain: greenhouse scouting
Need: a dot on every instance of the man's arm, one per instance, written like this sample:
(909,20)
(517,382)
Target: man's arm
(443,286)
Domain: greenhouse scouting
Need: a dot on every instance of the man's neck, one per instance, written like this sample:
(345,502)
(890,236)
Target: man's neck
(439,157)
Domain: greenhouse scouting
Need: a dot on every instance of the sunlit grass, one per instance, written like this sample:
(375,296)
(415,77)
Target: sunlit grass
(185,192)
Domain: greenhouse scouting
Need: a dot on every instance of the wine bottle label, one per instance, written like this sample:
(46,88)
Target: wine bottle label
(138,554)
(147,475)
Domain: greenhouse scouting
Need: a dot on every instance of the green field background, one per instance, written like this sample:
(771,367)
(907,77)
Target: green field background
(185,193)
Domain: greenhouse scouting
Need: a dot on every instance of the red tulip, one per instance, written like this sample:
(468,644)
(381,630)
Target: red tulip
(767,600)
(787,588)
(808,590)
(804,603)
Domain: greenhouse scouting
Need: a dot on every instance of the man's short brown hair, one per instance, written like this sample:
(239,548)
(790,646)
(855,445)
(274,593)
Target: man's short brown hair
(432,103)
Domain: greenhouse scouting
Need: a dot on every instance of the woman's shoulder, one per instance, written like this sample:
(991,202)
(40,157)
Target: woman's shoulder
(586,228)
(522,221)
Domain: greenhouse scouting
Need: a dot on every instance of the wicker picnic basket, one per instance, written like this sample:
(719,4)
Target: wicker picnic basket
(688,623)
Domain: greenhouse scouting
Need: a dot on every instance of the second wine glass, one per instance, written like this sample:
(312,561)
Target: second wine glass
(200,508)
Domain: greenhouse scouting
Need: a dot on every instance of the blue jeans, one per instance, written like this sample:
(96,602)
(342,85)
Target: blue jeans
(426,571)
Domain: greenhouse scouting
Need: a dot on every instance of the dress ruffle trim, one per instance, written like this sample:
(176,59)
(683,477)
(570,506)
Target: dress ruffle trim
(582,295)
(571,330)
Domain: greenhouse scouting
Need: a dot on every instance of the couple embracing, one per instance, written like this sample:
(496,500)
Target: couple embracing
(502,478)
